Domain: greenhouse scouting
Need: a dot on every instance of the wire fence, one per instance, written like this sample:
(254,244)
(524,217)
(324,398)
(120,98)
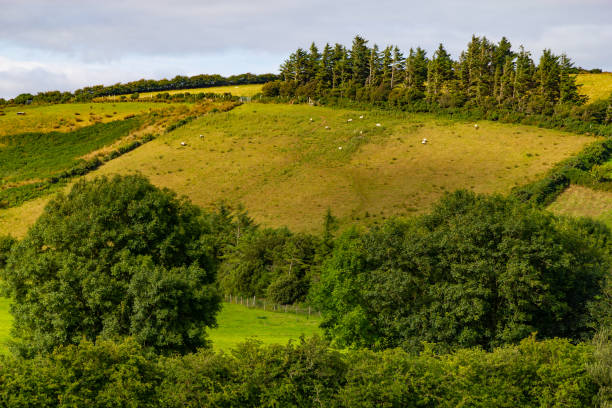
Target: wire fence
(263,304)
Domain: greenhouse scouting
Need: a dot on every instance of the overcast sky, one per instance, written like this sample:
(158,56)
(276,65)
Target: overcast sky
(68,44)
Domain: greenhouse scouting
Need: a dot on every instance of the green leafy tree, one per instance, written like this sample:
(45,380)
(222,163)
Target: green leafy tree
(477,271)
(115,257)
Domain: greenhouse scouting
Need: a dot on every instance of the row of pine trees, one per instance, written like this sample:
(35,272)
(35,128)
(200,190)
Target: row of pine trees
(486,74)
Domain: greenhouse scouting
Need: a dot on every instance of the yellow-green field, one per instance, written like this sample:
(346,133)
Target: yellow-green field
(287,170)
(236,324)
(578,201)
(65,117)
(595,86)
(237,90)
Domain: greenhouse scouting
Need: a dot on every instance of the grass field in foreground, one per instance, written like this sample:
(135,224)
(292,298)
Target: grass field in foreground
(578,201)
(595,86)
(68,116)
(237,323)
(236,90)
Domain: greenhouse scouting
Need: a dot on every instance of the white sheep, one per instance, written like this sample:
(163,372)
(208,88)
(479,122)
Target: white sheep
(201,136)
(378,125)
(326,127)
(183,144)
(424,141)
(311,119)
(349,120)
(339,147)
(361,117)
(476,126)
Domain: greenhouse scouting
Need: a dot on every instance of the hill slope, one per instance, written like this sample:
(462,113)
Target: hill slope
(287,170)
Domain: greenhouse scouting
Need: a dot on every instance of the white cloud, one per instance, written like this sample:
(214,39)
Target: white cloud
(80,42)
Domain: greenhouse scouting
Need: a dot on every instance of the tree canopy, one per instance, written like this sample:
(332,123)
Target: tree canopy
(477,271)
(114,257)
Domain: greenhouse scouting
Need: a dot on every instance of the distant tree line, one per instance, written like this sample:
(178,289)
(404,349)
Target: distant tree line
(487,76)
(142,85)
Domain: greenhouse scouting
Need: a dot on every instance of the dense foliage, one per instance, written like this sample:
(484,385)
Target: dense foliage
(488,78)
(477,271)
(114,257)
(308,374)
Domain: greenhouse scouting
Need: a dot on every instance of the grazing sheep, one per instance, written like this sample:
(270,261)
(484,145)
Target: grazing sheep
(378,125)
(311,119)
(201,136)
(361,117)
(183,144)
(326,127)
(476,126)
(349,120)
(339,147)
(424,141)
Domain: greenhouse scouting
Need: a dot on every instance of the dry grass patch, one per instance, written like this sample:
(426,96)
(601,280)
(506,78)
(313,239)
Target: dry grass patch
(578,201)
(67,117)
(595,86)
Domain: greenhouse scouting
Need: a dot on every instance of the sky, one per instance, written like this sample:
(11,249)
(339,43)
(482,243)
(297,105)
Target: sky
(67,44)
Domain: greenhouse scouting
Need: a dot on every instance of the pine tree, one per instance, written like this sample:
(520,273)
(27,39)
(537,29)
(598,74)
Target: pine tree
(416,70)
(313,62)
(524,78)
(359,60)
(548,77)
(387,61)
(440,70)
(325,68)
(397,66)
(568,90)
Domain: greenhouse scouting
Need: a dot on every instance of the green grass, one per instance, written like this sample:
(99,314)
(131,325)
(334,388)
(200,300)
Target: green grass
(287,170)
(66,117)
(40,155)
(237,323)
(579,201)
(595,86)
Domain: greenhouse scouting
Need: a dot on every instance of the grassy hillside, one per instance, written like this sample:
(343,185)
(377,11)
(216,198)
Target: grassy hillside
(595,86)
(66,117)
(287,170)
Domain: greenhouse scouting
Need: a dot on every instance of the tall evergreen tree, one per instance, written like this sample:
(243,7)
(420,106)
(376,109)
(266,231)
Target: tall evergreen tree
(568,90)
(397,66)
(416,70)
(373,66)
(440,70)
(360,55)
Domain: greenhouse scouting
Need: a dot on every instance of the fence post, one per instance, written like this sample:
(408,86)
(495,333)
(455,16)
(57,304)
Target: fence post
(309,312)
(264,305)
(285,308)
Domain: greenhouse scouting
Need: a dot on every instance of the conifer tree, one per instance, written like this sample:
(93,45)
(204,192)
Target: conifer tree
(387,61)
(568,90)
(416,70)
(325,68)
(548,77)
(440,70)
(359,60)
(397,66)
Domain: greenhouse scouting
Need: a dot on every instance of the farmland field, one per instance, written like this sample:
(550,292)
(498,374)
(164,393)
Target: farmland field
(236,90)
(66,117)
(287,170)
(595,86)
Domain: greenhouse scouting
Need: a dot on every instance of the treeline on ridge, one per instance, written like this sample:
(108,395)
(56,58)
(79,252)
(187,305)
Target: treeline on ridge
(143,85)
(487,77)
